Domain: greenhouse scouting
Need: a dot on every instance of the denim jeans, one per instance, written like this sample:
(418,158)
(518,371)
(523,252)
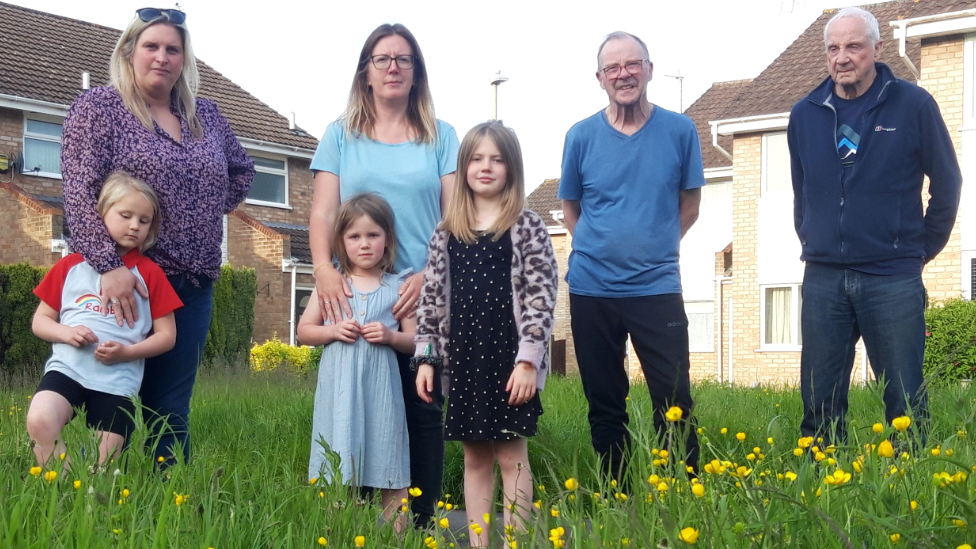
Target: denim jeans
(425,426)
(168,382)
(839,307)
(658,328)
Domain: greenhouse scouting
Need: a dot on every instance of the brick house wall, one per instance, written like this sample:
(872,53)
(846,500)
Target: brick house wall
(251,244)
(942,74)
(562,244)
(28,227)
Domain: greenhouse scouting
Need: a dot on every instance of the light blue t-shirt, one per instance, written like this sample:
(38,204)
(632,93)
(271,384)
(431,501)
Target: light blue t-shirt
(408,175)
(625,243)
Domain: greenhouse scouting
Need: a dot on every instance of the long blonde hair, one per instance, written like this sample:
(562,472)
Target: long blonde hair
(459,219)
(374,207)
(360,112)
(120,183)
(123,76)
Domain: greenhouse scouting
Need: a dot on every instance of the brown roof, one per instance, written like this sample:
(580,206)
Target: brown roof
(800,68)
(543,200)
(710,107)
(44,55)
(300,249)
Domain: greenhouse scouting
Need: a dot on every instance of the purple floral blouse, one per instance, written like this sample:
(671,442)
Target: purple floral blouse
(198,180)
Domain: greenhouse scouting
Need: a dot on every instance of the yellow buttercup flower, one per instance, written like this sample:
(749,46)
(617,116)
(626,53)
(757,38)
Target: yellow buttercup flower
(798,452)
(179,499)
(487,518)
(913,504)
(415,492)
(804,442)
(444,523)
(959,522)
(894,538)
(791,475)
(448,506)
(323,542)
(740,436)
(51,476)
(698,490)
(688,535)
(877,428)
(77,484)
(360,541)
(965,546)
(885,449)
(554,512)
(901,423)
(724,431)
(571,484)
(674,413)
(839,477)
(36,471)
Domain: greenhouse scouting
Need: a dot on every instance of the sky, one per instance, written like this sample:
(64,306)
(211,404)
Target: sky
(300,57)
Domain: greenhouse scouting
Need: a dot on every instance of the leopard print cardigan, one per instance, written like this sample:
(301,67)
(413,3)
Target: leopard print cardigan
(534,280)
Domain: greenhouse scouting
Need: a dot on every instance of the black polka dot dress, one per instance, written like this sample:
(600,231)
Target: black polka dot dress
(483,345)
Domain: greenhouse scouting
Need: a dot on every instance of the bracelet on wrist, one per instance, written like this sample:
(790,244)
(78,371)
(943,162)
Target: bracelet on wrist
(430,360)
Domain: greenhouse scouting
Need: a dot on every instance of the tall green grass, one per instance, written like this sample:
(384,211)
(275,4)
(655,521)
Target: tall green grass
(247,485)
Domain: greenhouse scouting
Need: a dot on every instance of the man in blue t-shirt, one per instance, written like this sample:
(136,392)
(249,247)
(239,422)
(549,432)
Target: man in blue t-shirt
(860,146)
(630,189)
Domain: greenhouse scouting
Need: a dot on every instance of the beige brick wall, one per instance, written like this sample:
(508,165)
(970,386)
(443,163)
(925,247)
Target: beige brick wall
(562,245)
(942,74)
(28,228)
(262,250)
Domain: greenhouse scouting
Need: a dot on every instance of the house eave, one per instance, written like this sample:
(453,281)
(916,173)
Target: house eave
(751,124)
(931,26)
(717,174)
(32,105)
(275,148)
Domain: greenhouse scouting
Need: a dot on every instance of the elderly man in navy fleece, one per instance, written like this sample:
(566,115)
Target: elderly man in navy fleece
(861,144)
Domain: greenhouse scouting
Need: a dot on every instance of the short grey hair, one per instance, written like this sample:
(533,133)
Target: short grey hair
(617,36)
(868,18)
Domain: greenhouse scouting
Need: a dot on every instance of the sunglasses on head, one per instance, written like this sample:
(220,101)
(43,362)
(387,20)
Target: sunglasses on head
(148,15)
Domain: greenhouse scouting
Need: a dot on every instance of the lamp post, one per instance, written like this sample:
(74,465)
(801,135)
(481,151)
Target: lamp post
(496,80)
(681,90)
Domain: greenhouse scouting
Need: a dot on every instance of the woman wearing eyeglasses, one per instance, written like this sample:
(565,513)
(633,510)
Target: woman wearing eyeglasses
(150,123)
(389,142)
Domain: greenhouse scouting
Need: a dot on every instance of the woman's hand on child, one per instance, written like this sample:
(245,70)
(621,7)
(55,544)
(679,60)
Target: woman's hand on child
(521,384)
(119,287)
(333,291)
(409,296)
(111,352)
(425,382)
(347,330)
(78,336)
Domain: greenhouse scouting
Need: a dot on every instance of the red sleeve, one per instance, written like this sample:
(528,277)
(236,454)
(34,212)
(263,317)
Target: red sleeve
(51,287)
(162,297)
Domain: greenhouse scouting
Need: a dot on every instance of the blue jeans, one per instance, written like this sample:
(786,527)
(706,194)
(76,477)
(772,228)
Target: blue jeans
(167,385)
(839,307)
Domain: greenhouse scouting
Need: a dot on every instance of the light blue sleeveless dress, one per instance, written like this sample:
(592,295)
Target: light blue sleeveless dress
(359,412)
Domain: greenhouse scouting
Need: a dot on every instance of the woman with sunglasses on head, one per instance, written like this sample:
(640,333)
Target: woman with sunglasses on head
(150,123)
(389,142)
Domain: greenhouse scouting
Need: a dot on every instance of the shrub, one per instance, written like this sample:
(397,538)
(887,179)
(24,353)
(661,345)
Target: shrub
(232,323)
(20,349)
(273,353)
(950,345)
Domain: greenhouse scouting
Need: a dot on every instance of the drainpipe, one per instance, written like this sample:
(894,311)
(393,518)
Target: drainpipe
(715,144)
(731,331)
(291,316)
(864,361)
(719,282)
(901,31)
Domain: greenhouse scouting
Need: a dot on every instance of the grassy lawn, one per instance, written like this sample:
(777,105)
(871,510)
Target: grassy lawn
(247,487)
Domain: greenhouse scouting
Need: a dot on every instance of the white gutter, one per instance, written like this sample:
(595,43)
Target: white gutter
(291,317)
(60,245)
(32,105)
(715,144)
(929,26)
(747,124)
(718,173)
(275,148)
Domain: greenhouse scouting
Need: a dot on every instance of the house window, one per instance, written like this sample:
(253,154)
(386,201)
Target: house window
(302,295)
(701,326)
(776,177)
(42,145)
(270,186)
(780,308)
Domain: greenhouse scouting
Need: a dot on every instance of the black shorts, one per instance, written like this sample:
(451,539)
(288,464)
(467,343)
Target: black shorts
(106,412)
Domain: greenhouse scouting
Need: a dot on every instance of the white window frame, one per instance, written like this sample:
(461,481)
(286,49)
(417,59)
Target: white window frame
(298,288)
(51,119)
(283,172)
(698,307)
(795,320)
(765,172)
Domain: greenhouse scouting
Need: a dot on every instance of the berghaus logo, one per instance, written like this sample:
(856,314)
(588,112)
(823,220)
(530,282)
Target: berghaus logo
(883,129)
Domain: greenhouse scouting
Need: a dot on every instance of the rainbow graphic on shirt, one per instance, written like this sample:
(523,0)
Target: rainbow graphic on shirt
(88,300)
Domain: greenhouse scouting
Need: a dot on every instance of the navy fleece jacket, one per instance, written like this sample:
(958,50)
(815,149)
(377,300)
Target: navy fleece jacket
(877,213)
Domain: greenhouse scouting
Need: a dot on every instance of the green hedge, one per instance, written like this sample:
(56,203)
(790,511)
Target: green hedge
(232,324)
(950,345)
(20,350)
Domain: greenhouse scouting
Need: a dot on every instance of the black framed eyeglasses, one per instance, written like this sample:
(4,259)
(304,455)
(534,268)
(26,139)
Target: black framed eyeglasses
(632,67)
(149,15)
(382,62)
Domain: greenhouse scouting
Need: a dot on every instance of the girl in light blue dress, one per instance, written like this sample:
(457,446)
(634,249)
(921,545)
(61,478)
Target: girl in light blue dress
(359,415)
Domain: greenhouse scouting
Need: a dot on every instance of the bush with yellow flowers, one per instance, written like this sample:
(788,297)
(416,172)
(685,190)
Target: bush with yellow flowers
(273,353)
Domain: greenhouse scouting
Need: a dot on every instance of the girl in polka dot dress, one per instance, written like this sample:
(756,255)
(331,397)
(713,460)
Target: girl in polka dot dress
(484,319)
(359,414)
